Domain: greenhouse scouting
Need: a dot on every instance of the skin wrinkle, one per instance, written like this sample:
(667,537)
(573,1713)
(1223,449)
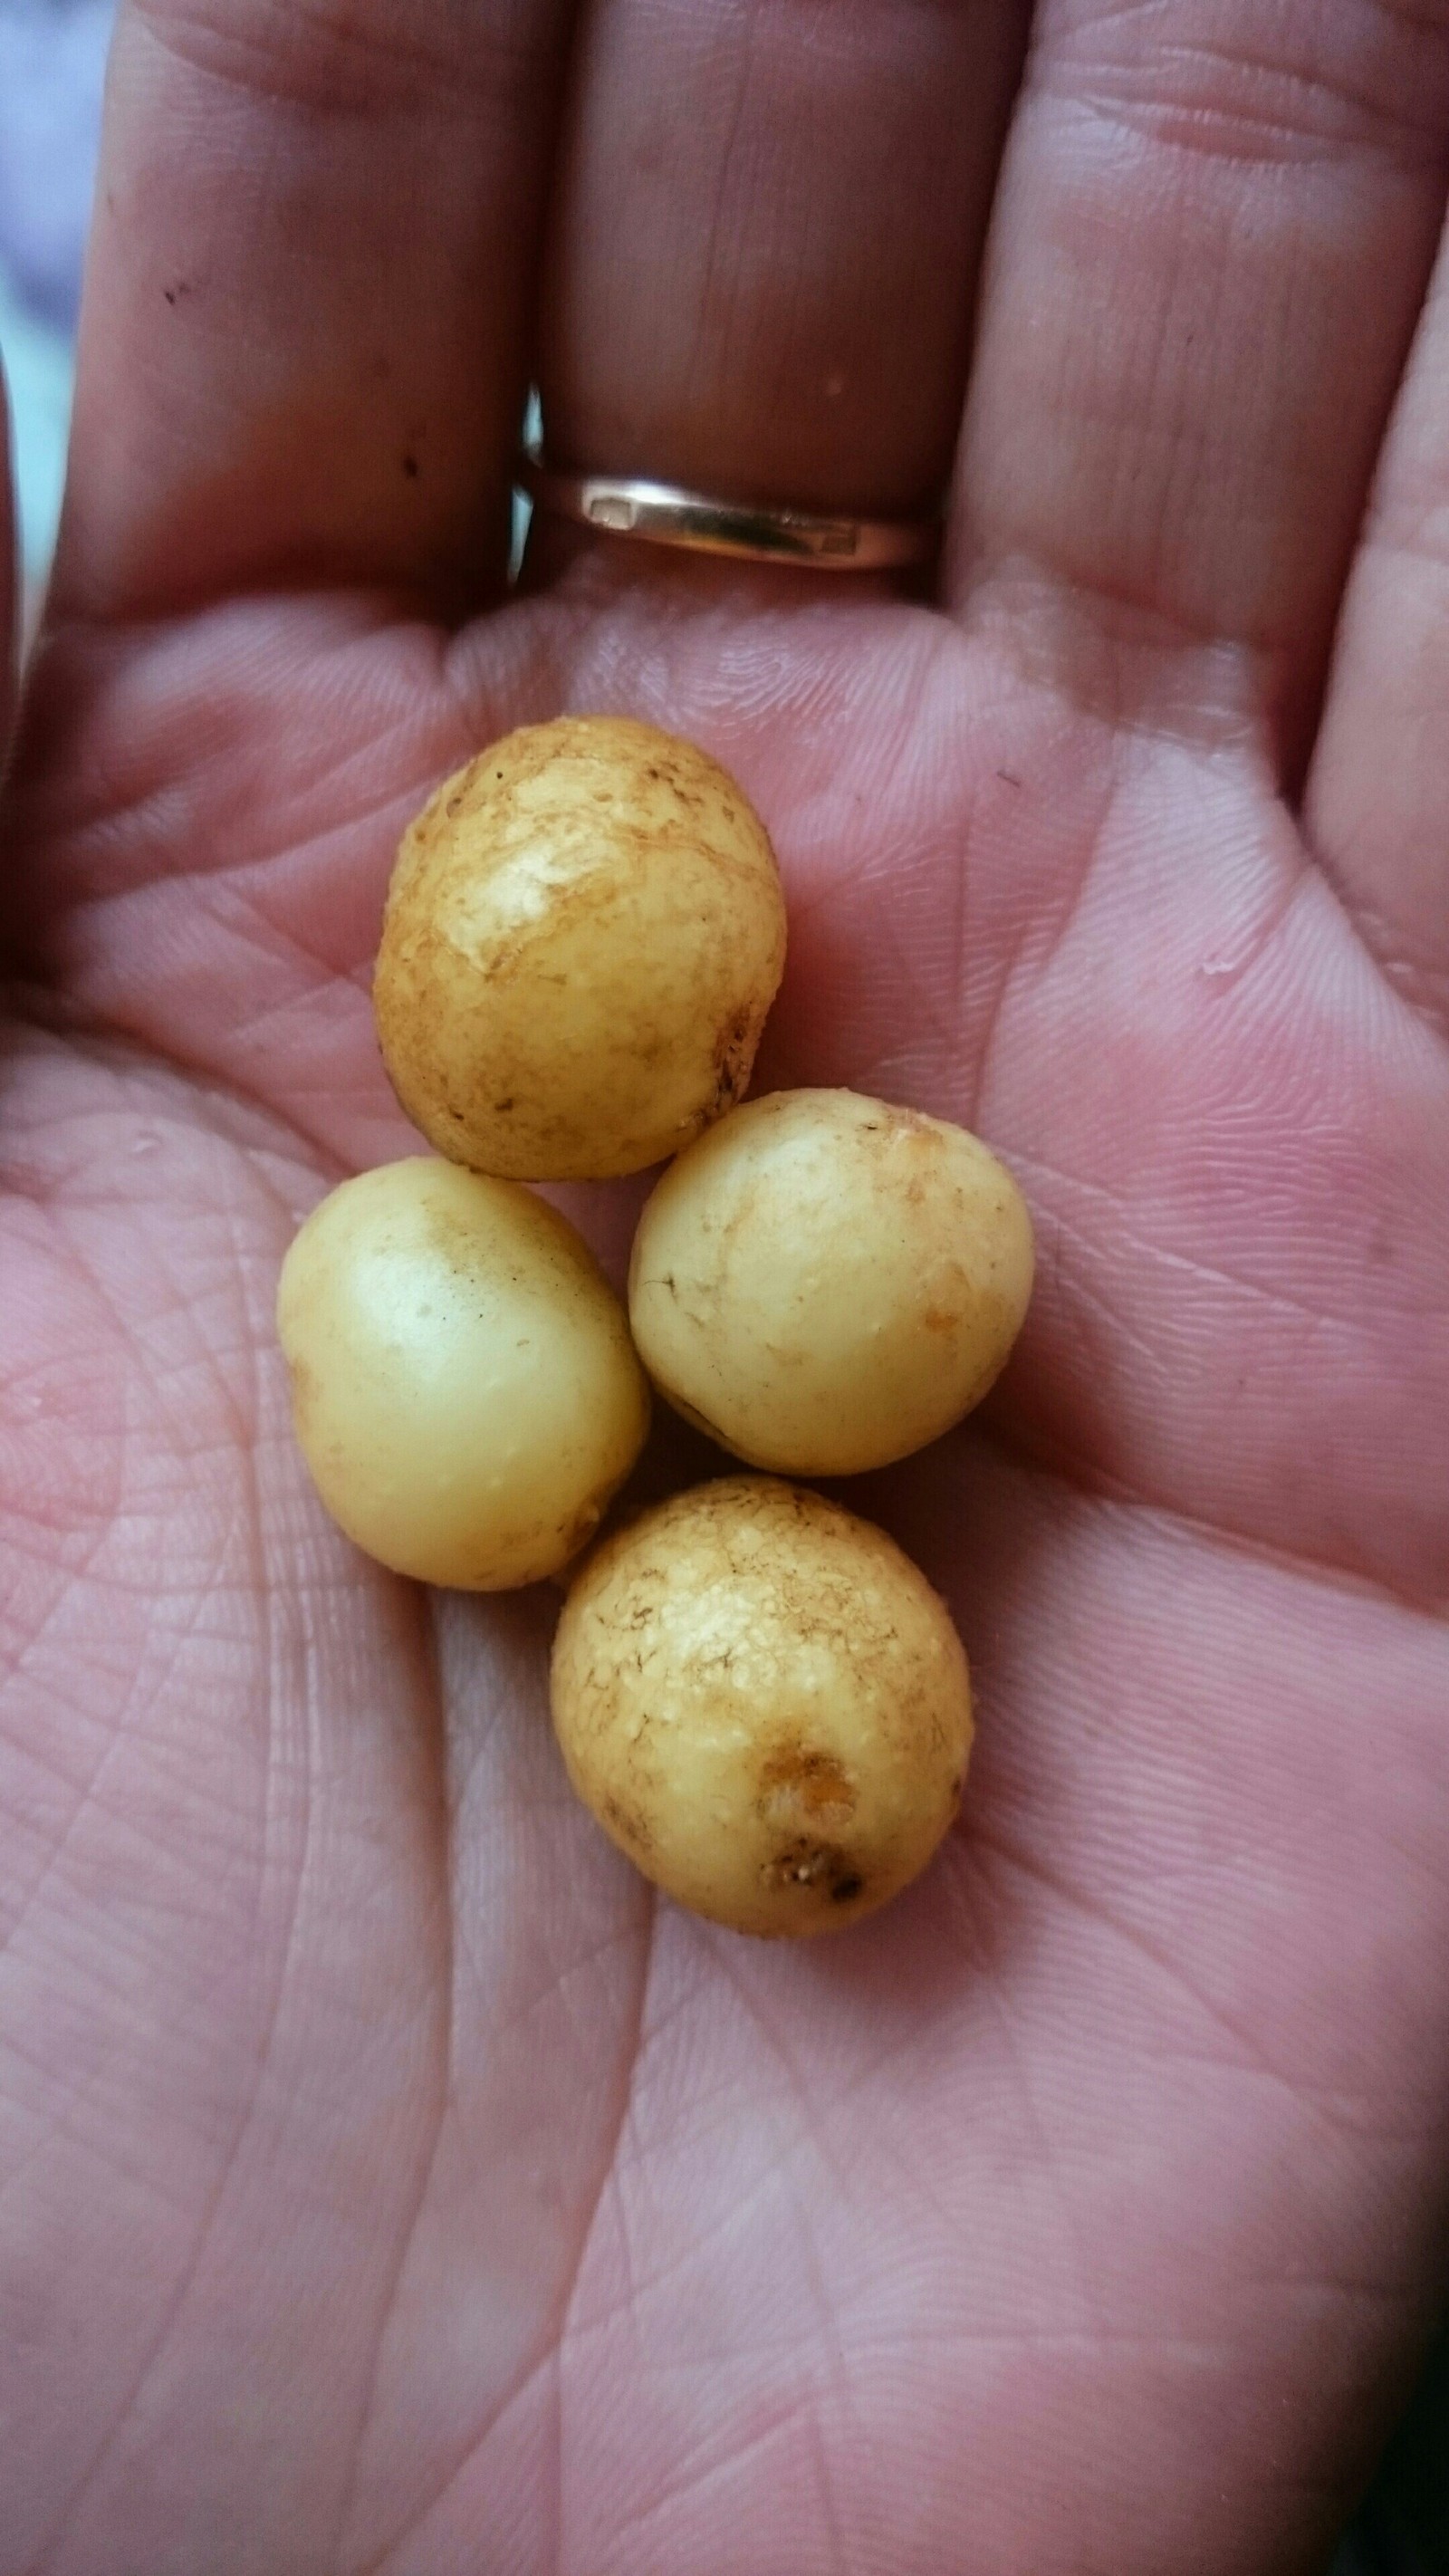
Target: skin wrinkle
(1306,62)
(1171,716)
(123,1735)
(153,1374)
(636,2286)
(1412,527)
(106,1039)
(1375,777)
(87,1796)
(141,815)
(546,2365)
(779,2047)
(1189,446)
(305,1772)
(1049,2157)
(1020,963)
(56,1861)
(635,2525)
(353,60)
(229,1117)
(1153,1357)
(427,2166)
(1088,1484)
(1213,1274)
(1113,691)
(1248,2059)
(565,2309)
(1248,131)
(232,906)
(59,2129)
(548,2353)
(976,2340)
(1054,68)
(1383,939)
(173,1642)
(641,2284)
(245,907)
(845,2557)
(713,299)
(161,2337)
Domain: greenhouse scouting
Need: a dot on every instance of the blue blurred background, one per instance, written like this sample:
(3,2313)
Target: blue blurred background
(52,65)
(52,69)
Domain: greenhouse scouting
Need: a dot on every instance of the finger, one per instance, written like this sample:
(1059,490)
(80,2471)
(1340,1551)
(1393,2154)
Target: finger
(304,337)
(9,583)
(1378,793)
(1214,232)
(765,242)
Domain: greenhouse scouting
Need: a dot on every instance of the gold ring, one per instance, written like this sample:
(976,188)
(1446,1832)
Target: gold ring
(626,505)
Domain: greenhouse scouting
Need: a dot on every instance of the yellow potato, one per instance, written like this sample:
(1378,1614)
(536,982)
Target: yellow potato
(583,935)
(764,1704)
(463,1384)
(824,1282)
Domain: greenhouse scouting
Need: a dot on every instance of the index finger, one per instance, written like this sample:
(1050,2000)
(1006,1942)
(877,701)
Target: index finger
(305,329)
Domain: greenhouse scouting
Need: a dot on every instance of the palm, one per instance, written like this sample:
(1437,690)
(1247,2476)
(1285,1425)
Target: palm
(394,2184)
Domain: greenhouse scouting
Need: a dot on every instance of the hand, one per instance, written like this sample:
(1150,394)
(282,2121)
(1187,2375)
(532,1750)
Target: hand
(389,2183)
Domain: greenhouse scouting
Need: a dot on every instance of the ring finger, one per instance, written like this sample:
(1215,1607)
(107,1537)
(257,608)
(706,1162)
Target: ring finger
(766,232)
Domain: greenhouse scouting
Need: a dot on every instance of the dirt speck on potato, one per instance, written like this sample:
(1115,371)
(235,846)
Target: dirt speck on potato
(814,1866)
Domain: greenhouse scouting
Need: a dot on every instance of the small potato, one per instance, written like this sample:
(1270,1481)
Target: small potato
(825,1283)
(463,1384)
(765,1705)
(584,933)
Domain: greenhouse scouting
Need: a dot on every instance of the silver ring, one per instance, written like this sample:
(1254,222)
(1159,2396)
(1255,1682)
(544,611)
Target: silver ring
(626,505)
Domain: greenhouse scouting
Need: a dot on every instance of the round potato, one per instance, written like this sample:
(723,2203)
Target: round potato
(765,1705)
(824,1282)
(583,935)
(463,1384)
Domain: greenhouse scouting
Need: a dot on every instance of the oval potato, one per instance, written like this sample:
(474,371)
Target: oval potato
(825,1282)
(464,1389)
(764,1704)
(583,935)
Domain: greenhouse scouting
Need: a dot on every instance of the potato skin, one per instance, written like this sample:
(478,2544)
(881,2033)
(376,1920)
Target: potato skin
(825,1282)
(583,935)
(463,1385)
(764,1704)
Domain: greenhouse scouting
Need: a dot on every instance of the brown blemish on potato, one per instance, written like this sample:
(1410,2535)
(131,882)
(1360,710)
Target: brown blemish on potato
(583,1525)
(939,1319)
(627,1823)
(822,1866)
(734,1054)
(798,1782)
(305,1391)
